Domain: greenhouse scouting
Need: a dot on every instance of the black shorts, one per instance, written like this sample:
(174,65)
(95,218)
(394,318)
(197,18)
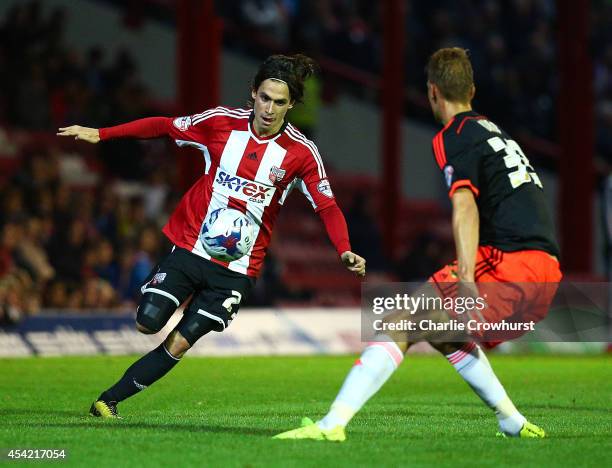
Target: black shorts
(217,291)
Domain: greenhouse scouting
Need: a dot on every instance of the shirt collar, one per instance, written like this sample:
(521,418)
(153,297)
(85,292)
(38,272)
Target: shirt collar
(268,137)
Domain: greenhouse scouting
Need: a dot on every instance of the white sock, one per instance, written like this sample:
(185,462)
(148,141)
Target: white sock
(472,364)
(370,372)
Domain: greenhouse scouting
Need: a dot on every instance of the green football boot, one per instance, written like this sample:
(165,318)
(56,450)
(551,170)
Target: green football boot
(528,431)
(310,430)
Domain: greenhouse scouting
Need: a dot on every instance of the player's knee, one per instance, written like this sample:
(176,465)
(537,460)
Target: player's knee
(176,344)
(153,312)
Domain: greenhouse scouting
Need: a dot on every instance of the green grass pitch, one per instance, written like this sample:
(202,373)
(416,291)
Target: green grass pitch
(223,411)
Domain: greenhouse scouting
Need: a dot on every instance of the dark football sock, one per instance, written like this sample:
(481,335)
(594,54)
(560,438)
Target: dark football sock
(144,372)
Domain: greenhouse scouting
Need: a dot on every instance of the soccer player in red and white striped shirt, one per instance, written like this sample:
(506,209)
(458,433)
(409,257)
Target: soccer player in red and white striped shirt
(253,159)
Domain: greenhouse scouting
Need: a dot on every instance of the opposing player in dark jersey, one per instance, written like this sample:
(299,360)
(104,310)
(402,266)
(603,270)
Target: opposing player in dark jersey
(253,159)
(505,244)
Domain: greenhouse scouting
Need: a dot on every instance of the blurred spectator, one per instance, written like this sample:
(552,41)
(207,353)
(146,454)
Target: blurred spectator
(305,115)
(32,100)
(97,294)
(17,288)
(105,220)
(266,16)
(604,134)
(13,205)
(9,239)
(95,75)
(156,192)
(423,259)
(56,295)
(364,233)
(144,259)
(67,250)
(269,285)
(30,253)
(105,265)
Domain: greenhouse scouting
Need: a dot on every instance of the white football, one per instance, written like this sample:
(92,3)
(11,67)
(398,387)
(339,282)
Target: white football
(227,234)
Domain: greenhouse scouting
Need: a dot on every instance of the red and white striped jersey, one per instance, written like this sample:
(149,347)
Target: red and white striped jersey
(244,171)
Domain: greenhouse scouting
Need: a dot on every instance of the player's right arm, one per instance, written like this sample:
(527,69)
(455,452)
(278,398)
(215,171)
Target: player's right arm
(150,127)
(188,128)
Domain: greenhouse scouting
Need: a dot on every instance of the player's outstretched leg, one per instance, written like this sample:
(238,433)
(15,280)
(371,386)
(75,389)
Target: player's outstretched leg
(154,365)
(144,372)
(153,313)
(376,364)
(472,364)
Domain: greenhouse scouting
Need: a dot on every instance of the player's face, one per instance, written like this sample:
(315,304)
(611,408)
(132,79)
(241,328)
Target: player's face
(271,103)
(434,101)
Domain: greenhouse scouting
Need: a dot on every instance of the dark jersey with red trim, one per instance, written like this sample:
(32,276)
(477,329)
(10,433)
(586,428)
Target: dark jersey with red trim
(475,153)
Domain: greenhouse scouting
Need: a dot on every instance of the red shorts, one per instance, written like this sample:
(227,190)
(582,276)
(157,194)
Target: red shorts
(525,285)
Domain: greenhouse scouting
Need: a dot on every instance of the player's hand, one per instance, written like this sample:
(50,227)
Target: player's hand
(90,135)
(354,263)
(467,289)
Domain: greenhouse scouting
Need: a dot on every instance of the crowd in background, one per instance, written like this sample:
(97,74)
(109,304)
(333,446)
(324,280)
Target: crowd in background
(512,46)
(62,247)
(46,82)
(70,248)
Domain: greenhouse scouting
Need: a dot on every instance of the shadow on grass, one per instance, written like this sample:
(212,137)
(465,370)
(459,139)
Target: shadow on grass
(40,412)
(566,407)
(358,432)
(544,406)
(122,425)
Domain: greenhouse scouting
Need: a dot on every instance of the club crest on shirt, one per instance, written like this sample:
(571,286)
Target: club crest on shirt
(276,174)
(158,278)
(448,175)
(325,188)
(182,123)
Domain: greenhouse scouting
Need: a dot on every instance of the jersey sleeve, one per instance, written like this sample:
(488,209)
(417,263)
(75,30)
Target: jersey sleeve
(460,165)
(149,127)
(194,128)
(337,230)
(314,183)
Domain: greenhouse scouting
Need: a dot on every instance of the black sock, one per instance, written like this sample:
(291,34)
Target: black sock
(144,372)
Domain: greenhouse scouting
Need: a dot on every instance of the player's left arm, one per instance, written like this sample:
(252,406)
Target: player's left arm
(466,224)
(316,187)
(462,168)
(337,231)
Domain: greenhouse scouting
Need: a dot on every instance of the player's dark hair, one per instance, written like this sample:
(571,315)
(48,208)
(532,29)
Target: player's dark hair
(451,71)
(292,69)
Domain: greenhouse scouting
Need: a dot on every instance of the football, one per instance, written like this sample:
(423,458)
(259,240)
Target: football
(227,234)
